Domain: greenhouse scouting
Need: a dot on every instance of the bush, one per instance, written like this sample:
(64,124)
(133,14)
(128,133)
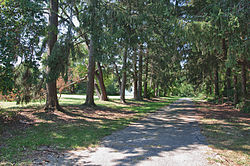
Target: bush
(112,90)
(111,85)
(244,106)
(9,97)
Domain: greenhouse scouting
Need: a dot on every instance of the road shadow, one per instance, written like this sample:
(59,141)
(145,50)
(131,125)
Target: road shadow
(166,131)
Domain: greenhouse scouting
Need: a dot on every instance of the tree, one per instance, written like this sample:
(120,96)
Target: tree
(222,33)
(165,46)
(140,74)
(145,92)
(124,75)
(135,74)
(99,75)
(22,29)
(52,100)
(91,76)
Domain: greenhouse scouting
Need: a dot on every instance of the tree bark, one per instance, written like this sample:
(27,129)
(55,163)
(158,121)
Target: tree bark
(224,48)
(124,76)
(210,89)
(104,96)
(164,92)
(236,98)
(228,79)
(210,83)
(97,90)
(146,78)
(216,82)
(244,80)
(52,100)
(91,77)
(156,89)
(118,76)
(228,71)
(135,74)
(140,75)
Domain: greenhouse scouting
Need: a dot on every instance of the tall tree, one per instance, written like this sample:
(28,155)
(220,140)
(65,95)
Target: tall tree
(124,75)
(91,76)
(244,79)
(236,97)
(145,92)
(52,100)
(135,77)
(216,82)
(22,28)
(95,33)
(140,74)
(104,96)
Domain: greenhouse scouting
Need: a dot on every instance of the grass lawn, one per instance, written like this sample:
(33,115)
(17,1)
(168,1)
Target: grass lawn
(227,131)
(27,131)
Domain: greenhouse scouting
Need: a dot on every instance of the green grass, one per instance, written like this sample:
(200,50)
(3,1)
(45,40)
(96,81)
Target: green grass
(21,143)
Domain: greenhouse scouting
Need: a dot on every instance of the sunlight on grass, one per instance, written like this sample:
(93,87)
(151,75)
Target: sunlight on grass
(56,135)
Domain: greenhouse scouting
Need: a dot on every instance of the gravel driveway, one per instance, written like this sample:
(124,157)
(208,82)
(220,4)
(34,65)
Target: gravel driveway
(168,137)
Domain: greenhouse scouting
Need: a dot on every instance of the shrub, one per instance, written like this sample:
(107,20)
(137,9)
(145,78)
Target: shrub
(244,106)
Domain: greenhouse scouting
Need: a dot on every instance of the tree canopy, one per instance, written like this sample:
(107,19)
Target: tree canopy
(157,47)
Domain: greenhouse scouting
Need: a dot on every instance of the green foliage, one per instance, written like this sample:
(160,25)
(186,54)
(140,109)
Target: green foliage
(185,90)
(22,24)
(216,39)
(111,86)
(27,82)
(58,61)
(244,106)
(183,39)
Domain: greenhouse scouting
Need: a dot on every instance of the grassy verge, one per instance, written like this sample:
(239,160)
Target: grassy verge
(227,131)
(34,132)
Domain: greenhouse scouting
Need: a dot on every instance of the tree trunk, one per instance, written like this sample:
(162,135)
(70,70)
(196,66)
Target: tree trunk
(207,88)
(124,76)
(140,75)
(155,89)
(97,90)
(158,90)
(228,85)
(91,77)
(244,80)
(52,100)
(151,81)
(210,84)
(236,98)
(118,76)
(224,48)
(135,74)
(228,71)
(210,89)
(146,78)
(216,82)
(104,96)
(164,93)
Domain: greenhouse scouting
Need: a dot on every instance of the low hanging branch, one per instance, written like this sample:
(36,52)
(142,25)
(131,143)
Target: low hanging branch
(70,84)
